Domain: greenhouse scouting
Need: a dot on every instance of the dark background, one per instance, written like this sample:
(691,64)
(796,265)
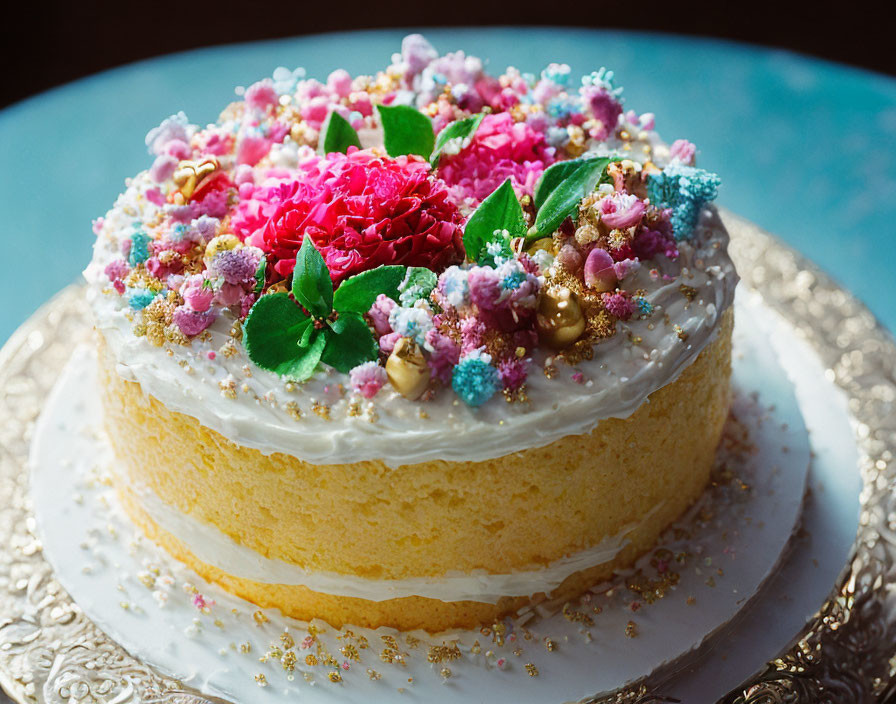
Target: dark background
(52,42)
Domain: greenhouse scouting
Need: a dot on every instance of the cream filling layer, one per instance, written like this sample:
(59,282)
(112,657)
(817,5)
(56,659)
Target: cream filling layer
(219,550)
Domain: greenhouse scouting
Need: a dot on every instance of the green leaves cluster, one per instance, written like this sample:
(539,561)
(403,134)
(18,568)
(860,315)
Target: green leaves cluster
(283,338)
(560,190)
(406,130)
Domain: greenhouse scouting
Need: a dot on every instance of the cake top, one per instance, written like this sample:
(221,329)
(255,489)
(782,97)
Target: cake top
(423,242)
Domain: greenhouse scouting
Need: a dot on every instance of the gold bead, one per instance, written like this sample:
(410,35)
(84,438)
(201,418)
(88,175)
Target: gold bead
(559,319)
(545,243)
(407,369)
(219,244)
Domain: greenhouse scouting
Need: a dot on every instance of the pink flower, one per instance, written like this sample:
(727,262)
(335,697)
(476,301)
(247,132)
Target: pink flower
(618,304)
(162,168)
(252,149)
(379,314)
(368,378)
(198,295)
(262,95)
(388,342)
(500,149)
(445,355)
(621,211)
(192,323)
(362,210)
(340,83)
(684,151)
(513,373)
(116,270)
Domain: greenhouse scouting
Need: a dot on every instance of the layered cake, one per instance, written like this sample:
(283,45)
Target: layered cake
(417,349)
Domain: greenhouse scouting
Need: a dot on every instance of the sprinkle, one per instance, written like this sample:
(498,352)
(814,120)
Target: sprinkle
(531,669)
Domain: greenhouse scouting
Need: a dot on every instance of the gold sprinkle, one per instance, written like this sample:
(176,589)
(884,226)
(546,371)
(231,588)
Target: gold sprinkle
(289,661)
(321,409)
(288,641)
(688,292)
(260,617)
(691,600)
(334,676)
(246,647)
(631,629)
(445,672)
(680,331)
(442,653)
(476,649)
(350,652)
(311,659)
(261,680)
(531,669)
(373,674)
(292,408)
(550,644)
(228,388)
(228,349)
(354,409)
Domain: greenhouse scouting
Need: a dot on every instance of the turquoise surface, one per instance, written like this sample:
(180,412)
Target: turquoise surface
(806,149)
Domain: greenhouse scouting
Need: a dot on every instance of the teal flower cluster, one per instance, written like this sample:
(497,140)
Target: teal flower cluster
(685,190)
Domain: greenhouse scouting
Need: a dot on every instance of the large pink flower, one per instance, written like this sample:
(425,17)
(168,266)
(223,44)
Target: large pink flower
(360,209)
(501,148)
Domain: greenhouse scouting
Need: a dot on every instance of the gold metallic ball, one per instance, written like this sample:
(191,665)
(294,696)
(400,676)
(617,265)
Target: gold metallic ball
(559,319)
(407,369)
(221,243)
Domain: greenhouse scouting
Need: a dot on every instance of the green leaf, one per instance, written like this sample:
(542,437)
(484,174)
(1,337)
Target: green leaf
(354,345)
(307,334)
(359,292)
(499,211)
(311,283)
(260,273)
(560,191)
(418,283)
(271,333)
(406,130)
(456,132)
(337,135)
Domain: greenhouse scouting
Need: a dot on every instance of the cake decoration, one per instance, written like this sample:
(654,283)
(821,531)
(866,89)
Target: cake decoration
(517,203)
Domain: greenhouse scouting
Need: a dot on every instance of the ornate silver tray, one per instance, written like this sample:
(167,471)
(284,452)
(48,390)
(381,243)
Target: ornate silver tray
(50,653)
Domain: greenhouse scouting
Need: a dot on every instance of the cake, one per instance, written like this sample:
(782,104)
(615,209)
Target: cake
(420,349)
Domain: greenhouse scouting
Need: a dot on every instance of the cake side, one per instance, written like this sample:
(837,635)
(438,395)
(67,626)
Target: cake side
(454,531)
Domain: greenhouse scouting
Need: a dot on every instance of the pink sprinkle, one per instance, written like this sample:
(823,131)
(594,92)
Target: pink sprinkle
(345,665)
(201,603)
(211,354)
(154,195)
(307,643)
(578,377)
(662,566)
(501,662)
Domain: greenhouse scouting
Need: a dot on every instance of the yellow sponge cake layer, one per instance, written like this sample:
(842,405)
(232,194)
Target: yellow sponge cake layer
(629,477)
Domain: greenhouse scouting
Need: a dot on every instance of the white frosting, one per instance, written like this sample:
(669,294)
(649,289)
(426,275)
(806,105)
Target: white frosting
(219,550)
(613,384)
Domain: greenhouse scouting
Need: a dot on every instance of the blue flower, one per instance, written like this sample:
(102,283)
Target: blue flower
(475,380)
(685,190)
(139,248)
(140,298)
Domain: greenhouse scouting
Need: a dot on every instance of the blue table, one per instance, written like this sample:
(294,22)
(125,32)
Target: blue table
(807,149)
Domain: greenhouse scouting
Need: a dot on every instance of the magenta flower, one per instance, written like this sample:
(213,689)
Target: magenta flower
(500,149)
(362,211)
